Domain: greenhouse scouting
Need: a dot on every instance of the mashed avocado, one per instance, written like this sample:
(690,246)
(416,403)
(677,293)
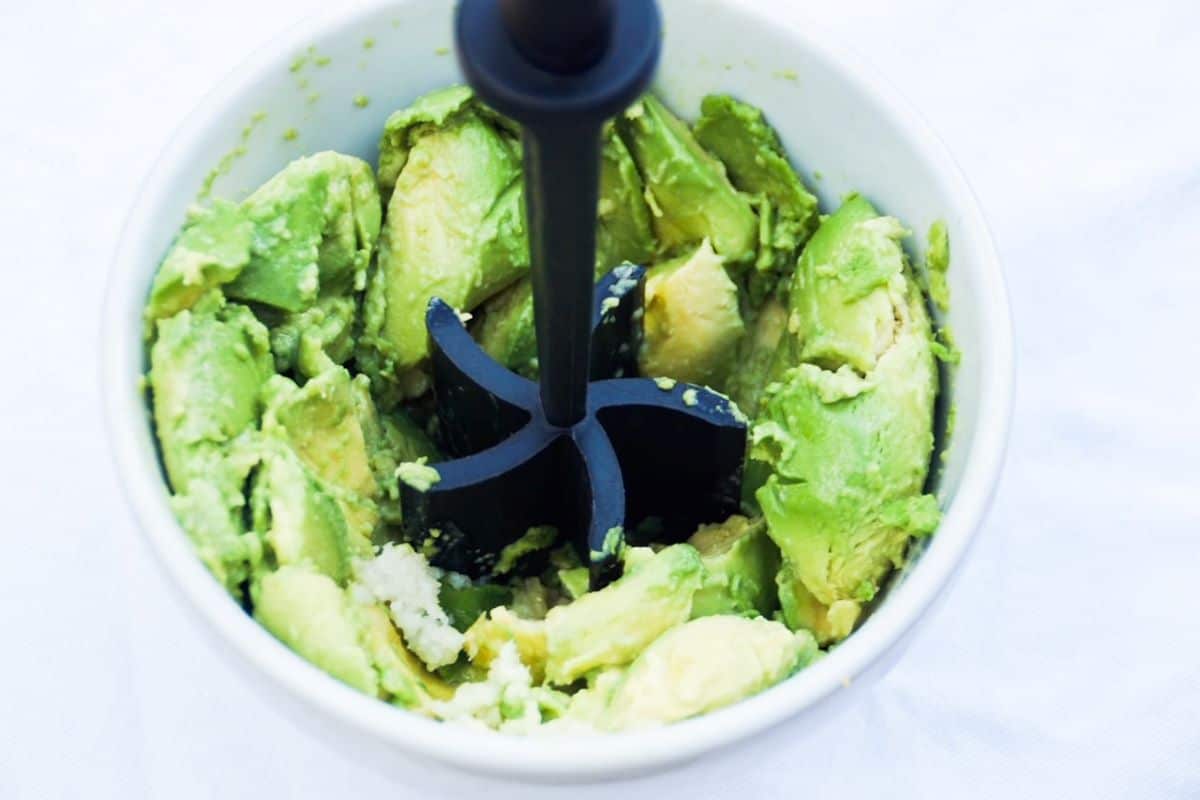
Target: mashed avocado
(288,388)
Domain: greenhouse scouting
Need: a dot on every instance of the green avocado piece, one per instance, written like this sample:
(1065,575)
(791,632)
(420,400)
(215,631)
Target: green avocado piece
(536,539)
(403,678)
(392,439)
(692,323)
(575,580)
(505,328)
(704,665)
(465,601)
(624,227)
(321,423)
(315,227)
(623,234)
(207,366)
(740,563)
(490,632)
(212,250)
(738,134)
(353,641)
(454,229)
(842,299)
(803,612)
(310,341)
(313,616)
(689,195)
(765,328)
(612,626)
(211,513)
(937,264)
(848,454)
(299,519)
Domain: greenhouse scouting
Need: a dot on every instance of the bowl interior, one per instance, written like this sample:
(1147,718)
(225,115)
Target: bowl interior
(331,85)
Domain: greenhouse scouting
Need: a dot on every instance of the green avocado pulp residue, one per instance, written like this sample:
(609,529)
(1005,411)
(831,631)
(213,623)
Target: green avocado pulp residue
(290,391)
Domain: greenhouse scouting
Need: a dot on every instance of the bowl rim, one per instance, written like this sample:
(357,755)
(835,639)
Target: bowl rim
(567,757)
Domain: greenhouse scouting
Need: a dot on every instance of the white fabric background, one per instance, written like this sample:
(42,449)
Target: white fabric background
(1066,662)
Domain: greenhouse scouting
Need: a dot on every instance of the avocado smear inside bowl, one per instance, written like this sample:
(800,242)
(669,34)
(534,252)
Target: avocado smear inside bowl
(282,361)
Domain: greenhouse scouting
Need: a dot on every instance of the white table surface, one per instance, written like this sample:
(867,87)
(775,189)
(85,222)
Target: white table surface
(1066,662)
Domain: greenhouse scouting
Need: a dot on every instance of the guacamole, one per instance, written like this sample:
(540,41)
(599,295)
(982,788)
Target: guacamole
(288,385)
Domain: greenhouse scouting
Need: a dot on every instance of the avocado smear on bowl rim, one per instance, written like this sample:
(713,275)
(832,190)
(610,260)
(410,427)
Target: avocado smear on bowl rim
(288,383)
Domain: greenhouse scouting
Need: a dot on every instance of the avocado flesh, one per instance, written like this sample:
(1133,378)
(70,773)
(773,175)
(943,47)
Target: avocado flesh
(454,226)
(207,365)
(352,641)
(756,353)
(738,134)
(683,674)
(611,626)
(314,495)
(740,563)
(315,225)
(689,195)
(848,452)
(212,249)
(692,321)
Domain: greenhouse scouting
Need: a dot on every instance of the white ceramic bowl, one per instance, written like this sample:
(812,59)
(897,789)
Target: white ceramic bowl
(835,117)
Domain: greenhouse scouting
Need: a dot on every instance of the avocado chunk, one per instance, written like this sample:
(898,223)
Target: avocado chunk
(466,601)
(937,265)
(623,234)
(312,615)
(211,513)
(488,636)
(704,665)
(321,423)
(212,250)
(689,195)
(801,611)
(740,563)
(315,227)
(842,300)
(611,626)
(756,353)
(301,521)
(392,438)
(402,677)
(738,134)
(848,453)
(692,323)
(454,229)
(207,366)
(310,341)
